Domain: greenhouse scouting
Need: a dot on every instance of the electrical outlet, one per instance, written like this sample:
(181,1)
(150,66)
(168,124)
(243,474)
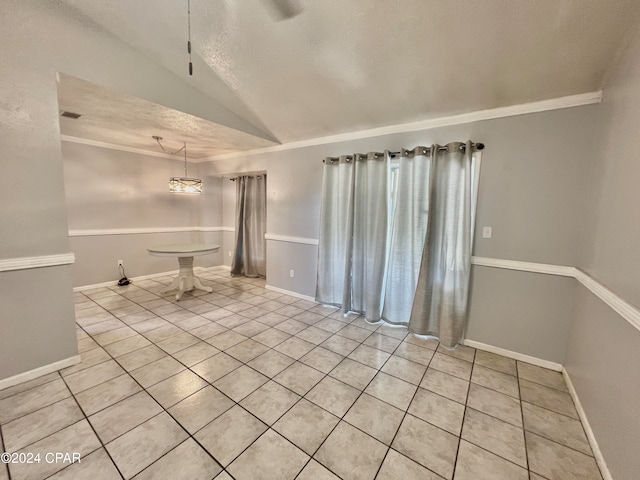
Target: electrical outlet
(292,273)
(120,263)
(487,232)
(230,253)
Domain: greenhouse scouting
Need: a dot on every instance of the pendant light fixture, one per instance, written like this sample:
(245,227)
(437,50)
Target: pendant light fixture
(183,185)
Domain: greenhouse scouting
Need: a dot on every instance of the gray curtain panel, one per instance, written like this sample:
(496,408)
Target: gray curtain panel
(249,258)
(396,236)
(441,296)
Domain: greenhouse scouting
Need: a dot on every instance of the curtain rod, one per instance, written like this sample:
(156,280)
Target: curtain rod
(444,148)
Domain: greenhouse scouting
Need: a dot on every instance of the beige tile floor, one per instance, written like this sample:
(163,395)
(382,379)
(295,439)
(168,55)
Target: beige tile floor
(247,383)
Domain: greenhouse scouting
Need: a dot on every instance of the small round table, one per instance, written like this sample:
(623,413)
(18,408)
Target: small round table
(186,280)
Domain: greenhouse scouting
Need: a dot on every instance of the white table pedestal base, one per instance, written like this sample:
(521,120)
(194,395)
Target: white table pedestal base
(186,280)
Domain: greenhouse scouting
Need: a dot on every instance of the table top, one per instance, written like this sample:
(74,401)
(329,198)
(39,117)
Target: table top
(183,249)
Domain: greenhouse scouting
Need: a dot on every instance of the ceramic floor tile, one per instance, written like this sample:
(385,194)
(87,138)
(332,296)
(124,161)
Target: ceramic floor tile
(157,371)
(495,404)
(179,342)
(140,447)
(208,330)
(106,394)
(93,376)
(193,322)
(216,367)
(140,358)
(226,340)
(96,465)
(270,402)
(295,347)
(314,335)
(549,398)
(308,317)
(356,334)
(251,329)
(113,336)
(451,365)
(76,438)
(500,382)
(446,385)
(351,454)
(437,410)
(246,351)
(228,435)
(88,359)
(197,410)
(315,471)
(369,356)
(340,345)
(414,353)
(543,376)
(32,427)
(557,462)
(381,342)
(271,337)
(333,395)
(322,359)
(272,319)
(330,325)
(28,385)
(233,321)
(299,378)
(474,463)
(124,415)
(553,426)
(33,399)
(103,327)
(404,369)
(496,362)
(375,417)
(188,461)
(291,326)
(271,457)
(127,345)
(150,324)
(270,363)
(174,389)
(496,436)
(240,383)
(430,446)
(396,466)
(395,331)
(195,353)
(461,352)
(353,373)
(392,390)
(306,425)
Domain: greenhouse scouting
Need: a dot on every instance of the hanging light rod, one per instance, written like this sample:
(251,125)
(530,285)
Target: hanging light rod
(189,36)
(183,185)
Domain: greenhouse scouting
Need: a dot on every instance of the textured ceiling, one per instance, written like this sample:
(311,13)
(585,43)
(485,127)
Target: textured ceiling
(112,117)
(346,65)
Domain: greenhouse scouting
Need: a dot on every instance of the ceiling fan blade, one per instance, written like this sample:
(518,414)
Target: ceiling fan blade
(285,9)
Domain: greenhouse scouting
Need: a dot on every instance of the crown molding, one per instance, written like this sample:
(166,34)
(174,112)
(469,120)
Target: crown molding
(480,115)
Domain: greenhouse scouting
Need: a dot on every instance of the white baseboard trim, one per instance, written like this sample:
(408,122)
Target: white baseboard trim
(38,372)
(114,283)
(515,355)
(290,293)
(604,470)
(24,263)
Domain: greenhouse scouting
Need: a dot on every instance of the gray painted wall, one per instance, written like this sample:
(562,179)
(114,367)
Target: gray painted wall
(531,192)
(113,189)
(603,357)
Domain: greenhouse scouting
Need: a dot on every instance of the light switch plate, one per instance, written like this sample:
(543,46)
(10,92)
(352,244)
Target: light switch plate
(486,232)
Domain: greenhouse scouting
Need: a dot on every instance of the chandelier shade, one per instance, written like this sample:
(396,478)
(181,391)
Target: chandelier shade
(187,186)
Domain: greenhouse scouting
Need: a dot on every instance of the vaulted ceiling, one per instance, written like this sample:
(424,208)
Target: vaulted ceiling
(346,65)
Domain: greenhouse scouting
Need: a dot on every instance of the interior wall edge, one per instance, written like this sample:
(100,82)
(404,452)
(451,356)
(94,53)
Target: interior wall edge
(557,367)
(602,464)
(38,372)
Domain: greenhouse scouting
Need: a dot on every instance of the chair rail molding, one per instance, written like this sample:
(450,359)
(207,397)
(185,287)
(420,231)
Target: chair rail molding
(144,230)
(24,263)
